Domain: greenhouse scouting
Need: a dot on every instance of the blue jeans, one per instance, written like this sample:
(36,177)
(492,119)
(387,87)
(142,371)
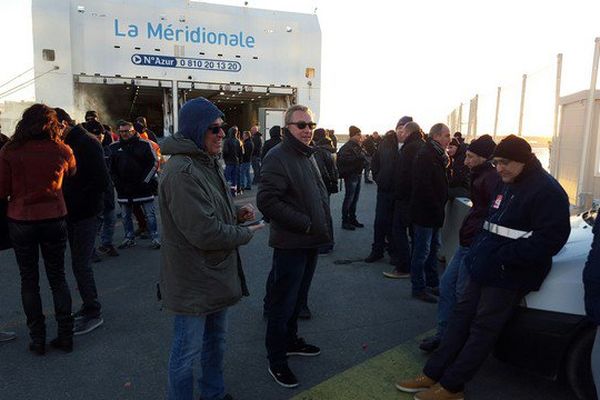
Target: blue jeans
(107,229)
(197,339)
(231,174)
(287,290)
(82,240)
(351,194)
(423,266)
(452,285)
(150,213)
(245,180)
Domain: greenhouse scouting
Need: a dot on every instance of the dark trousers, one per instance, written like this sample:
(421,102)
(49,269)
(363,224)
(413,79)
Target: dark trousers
(51,238)
(292,274)
(473,328)
(382,228)
(82,237)
(401,254)
(351,194)
(256,164)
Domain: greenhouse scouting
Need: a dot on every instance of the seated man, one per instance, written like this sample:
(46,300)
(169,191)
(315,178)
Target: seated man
(527,224)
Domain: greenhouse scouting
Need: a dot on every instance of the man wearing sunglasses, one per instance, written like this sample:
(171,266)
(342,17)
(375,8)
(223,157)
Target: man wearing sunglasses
(294,198)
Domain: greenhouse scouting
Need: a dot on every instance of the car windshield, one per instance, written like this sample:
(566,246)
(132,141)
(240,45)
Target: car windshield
(590,216)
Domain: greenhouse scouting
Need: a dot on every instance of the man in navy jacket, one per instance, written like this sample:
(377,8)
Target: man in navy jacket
(527,224)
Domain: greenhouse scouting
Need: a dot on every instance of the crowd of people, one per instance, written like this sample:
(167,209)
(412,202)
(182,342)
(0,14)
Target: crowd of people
(59,181)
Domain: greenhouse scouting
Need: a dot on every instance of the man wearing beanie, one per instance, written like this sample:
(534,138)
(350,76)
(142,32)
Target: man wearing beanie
(201,273)
(350,162)
(527,224)
(484,180)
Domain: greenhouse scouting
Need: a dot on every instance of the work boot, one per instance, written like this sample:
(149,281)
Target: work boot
(356,223)
(348,226)
(437,392)
(418,384)
(430,344)
(426,297)
(371,258)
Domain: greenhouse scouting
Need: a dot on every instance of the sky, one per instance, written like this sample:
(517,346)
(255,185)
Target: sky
(385,59)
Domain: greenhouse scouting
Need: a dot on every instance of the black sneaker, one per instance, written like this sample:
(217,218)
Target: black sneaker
(348,226)
(357,224)
(305,313)
(284,376)
(301,348)
(371,258)
(86,325)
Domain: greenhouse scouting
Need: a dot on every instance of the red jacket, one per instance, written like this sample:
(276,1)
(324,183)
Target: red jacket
(31,177)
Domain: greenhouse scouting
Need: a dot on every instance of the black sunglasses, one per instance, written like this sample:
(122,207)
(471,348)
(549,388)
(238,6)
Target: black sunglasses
(304,124)
(215,129)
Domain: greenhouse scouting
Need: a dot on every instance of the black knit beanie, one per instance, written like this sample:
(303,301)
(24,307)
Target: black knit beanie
(514,148)
(483,146)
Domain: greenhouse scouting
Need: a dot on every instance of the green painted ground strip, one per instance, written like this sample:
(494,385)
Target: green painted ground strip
(373,379)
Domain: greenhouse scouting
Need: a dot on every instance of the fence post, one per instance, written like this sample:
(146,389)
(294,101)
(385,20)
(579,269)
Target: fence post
(587,131)
(555,145)
(521,110)
(497,112)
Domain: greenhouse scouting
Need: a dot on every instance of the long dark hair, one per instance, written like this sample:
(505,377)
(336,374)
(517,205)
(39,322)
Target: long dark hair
(38,122)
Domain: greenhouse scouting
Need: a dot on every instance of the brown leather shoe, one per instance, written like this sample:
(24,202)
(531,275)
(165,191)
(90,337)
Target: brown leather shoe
(437,392)
(418,384)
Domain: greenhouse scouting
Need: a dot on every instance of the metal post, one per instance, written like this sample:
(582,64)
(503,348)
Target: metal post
(476,106)
(497,112)
(522,109)
(175,100)
(555,145)
(460,117)
(469,125)
(587,131)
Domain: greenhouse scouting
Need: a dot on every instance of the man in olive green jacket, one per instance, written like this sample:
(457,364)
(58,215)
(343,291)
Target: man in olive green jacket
(201,273)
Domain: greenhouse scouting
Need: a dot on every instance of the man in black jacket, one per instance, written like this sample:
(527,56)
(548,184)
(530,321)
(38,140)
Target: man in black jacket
(256,154)
(294,198)
(133,166)
(232,152)
(275,139)
(527,224)
(84,198)
(429,193)
(411,139)
(484,181)
(351,161)
(384,166)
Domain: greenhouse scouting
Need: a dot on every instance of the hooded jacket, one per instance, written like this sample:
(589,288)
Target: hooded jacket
(535,202)
(293,197)
(201,269)
(275,139)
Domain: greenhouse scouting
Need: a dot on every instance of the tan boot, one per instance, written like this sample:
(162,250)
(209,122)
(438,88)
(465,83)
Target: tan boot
(414,385)
(437,392)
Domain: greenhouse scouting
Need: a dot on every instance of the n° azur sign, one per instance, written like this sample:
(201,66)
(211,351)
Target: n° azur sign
(187,63)
(185,34)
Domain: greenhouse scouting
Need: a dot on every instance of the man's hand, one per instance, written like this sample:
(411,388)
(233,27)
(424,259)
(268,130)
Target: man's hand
(246,213)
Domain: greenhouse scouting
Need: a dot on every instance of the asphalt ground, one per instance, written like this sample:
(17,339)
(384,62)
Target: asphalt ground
(367,327)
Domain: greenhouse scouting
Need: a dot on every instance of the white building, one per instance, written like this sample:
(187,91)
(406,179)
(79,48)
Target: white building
(127,58)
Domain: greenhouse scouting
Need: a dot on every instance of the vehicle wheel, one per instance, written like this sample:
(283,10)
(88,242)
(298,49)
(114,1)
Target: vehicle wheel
(578,366)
